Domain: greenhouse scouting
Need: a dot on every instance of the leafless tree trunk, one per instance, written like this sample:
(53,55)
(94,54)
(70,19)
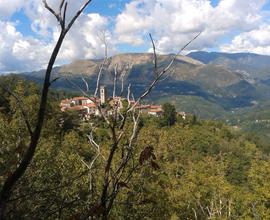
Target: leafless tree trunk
(115,178)
(35,135)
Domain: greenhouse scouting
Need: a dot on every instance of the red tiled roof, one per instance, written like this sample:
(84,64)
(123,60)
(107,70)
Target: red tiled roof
(90,105)
(76,108)
(155,106)
(143,106)
(67,101)
(155,110)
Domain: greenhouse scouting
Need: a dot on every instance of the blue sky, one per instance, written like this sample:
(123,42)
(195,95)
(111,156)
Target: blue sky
(29,31)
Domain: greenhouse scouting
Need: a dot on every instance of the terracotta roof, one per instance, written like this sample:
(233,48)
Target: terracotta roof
(155,110)
(156,106)
(67,101)
(143,106)
(76,108)
(91,105)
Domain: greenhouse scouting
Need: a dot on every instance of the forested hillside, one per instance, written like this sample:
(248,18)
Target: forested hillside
(193,169)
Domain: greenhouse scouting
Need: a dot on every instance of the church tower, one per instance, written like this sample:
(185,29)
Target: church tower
(103,94)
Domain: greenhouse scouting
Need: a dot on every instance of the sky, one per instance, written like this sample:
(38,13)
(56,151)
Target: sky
(29,32)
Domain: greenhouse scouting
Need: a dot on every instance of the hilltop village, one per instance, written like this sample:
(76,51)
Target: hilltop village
(87,106)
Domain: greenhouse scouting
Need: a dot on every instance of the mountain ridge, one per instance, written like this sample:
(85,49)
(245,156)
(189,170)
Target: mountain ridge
(254,65)
(213,82)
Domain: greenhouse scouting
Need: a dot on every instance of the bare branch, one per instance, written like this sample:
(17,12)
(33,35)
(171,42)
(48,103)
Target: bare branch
(87,96)
(104,41)
(161,73)
(128,94)
(58,17)
(86,84)
(114,80)
(98,153)
(77,87)
(132,96)
(54,80)
(126,69)
(168,74)
(134,134)
(155,55)
(99,76)
(61,6)
(64,15)
(122,85)
(12,179)
(183,48)
(135,127)
(117,129)
(94,144)
(77,15)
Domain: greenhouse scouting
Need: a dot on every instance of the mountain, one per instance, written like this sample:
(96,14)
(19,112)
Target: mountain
(252,65)
(184,69)
(200,81)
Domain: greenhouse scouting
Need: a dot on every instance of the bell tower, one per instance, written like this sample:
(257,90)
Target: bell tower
(103,94)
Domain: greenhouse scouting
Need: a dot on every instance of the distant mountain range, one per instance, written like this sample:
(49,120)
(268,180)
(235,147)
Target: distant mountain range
(253,65)
(221,81)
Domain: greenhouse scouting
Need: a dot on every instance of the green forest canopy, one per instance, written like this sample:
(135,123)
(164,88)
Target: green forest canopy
(202,169)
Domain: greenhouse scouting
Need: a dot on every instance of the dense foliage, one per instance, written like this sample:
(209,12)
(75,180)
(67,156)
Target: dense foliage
(199,169)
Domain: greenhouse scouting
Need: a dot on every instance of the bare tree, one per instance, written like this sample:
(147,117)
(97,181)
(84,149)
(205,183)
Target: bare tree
(118,172)
(102,37)
(35,132)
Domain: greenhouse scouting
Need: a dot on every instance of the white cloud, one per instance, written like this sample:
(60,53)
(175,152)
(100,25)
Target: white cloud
(7,7)
(21,53)
(83,41)
(237,14)
(42,19)
(18,52)
(255,41)
(174,22)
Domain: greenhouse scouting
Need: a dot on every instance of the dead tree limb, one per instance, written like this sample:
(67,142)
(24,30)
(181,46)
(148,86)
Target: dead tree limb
(114,80)
(115,176)
(86,84)
(162,72)
(103,40)
(108,196)
(155,55)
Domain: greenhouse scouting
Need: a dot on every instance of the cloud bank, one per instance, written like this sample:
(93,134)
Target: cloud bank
(230,26)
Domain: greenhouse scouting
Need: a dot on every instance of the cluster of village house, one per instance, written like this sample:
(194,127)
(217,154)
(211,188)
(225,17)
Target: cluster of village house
(88,106)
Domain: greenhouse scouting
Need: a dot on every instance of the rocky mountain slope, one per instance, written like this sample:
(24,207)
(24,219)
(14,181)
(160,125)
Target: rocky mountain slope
(205,77)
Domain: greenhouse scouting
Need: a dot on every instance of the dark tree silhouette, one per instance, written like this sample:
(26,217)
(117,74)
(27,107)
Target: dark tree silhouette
(35,133)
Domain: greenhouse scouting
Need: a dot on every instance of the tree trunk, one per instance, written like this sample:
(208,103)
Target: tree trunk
(20,170)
